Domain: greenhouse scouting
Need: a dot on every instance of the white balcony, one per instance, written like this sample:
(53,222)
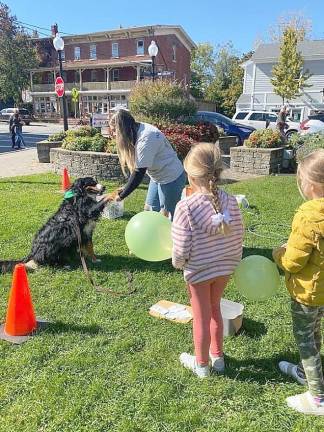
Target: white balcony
(87,86)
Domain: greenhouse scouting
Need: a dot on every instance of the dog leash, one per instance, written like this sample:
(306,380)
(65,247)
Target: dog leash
(129,276)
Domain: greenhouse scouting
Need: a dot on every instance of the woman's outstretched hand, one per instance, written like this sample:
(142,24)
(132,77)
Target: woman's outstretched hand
(113,196)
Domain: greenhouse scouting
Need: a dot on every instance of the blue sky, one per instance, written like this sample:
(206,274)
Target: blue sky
(215,21)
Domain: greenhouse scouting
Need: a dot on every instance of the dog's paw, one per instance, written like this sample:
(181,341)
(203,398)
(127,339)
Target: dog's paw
(31,265)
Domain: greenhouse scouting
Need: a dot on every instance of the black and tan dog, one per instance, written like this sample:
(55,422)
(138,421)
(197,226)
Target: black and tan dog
(56,243)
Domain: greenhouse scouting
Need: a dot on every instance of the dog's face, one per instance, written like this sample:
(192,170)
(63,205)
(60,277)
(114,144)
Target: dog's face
(87,186)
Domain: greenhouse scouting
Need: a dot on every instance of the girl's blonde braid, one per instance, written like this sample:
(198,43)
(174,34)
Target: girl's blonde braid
(214,194)
(224,227)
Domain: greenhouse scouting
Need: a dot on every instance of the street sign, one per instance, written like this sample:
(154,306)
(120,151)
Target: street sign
(59,86)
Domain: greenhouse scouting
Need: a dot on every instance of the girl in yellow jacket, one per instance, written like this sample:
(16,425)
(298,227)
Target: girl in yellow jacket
(302,259)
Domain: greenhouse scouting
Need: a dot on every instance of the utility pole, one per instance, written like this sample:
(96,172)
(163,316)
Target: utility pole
(59,46)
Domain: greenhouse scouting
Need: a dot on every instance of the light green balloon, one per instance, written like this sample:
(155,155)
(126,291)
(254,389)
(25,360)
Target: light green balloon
(257,278)
(148,236)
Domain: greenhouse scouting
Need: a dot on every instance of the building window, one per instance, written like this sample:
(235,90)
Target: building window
(114,49)
(93,52)
(93,76)
(77,53)
(140,47)
(115,75)
(174,53)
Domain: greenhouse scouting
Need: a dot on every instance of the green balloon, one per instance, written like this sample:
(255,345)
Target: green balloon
(148,236)
(257,278)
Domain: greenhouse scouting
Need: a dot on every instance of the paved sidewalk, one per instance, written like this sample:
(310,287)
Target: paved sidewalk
(21,162)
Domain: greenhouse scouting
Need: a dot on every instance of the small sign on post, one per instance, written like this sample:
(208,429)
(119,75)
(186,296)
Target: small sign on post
(99,120)
(59,86)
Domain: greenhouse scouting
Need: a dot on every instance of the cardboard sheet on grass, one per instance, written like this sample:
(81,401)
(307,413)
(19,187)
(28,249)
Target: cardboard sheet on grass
(232,314)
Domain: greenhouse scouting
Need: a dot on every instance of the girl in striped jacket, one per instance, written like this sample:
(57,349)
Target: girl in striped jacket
(207,234)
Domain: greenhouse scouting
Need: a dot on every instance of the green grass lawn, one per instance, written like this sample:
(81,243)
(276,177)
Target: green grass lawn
(104,364)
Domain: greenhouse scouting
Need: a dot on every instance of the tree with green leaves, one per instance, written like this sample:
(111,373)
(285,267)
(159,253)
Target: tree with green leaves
(202,69)
(17,56)
(227,84)
(289,77)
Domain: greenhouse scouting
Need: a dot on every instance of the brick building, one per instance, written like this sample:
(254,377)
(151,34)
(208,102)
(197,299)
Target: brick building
(104,66)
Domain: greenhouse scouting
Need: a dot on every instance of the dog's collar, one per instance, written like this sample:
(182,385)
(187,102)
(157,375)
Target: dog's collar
(69,194)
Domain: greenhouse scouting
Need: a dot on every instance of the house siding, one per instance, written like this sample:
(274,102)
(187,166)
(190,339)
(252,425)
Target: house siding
(262,96)
(248,78)
(263,78)
(316,67)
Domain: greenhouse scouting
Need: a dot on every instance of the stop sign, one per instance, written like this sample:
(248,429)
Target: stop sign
(59,86)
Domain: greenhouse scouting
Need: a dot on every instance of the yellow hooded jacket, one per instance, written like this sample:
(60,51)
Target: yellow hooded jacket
(303,259)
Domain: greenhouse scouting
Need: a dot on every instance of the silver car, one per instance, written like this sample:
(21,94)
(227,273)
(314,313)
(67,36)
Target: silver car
(6,113)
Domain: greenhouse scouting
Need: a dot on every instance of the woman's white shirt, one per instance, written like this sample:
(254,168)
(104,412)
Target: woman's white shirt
(154,152)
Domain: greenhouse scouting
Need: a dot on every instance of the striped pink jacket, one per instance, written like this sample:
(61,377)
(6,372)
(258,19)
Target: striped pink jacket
(198,247)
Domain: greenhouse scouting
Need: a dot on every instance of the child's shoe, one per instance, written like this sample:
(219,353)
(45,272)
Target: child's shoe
(189,361)
(305,403)
(291,369)
(218,364)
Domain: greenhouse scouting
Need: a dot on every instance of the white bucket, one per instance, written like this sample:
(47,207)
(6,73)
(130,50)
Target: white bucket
(242,201)
(113,210)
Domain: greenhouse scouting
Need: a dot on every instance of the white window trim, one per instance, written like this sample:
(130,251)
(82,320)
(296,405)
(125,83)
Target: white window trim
(77,59)
(116,70)
(95,50)
(174,53)
(137,54)
(112,50)
(93,73)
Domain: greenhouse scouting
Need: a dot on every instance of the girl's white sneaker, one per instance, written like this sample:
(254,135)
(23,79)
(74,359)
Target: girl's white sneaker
(291,369)
(305,403)
(218,364)
(189,361)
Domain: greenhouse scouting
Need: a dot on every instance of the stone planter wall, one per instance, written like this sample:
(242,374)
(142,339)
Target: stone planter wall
(256,160)
(81,164)
(226,143)
(43,150)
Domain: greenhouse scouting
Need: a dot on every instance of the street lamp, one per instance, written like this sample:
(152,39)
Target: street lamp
(153,52)
(58,43)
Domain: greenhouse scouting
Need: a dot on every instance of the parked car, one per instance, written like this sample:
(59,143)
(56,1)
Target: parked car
(242,132)
(313,124)
(6,113)
(263,119)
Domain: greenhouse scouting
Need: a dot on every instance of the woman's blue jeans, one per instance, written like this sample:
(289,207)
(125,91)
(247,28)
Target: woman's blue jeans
(165,196)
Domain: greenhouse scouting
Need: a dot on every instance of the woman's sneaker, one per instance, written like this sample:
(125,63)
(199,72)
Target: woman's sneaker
(189,361)
(307,404)
(291,370)
(218,364)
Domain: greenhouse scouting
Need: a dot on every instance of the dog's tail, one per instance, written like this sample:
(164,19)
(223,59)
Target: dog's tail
(8,266)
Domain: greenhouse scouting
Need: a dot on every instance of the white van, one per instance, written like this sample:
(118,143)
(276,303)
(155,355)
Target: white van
(263,119)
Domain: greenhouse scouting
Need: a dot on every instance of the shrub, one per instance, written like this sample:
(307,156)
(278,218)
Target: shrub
(164,99)
(264,138)
(59,136)
(95,143)
(111,146)
(306,144)
(83,131)
(181,143)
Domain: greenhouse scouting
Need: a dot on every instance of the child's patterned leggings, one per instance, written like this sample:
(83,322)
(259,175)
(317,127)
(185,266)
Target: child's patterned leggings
(207,318)
(307,331)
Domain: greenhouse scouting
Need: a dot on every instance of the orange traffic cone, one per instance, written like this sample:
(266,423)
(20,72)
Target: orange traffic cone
(20,320)
(66,184)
